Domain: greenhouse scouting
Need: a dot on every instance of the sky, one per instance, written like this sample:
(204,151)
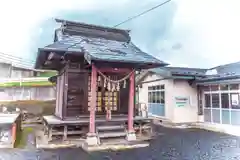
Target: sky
(186,33)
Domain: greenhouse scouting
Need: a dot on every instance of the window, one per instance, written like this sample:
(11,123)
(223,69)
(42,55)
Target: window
(162,100)
(214,87)
(215,101)
(154,98)
(150,88)
(162,87)
(225,100)
(205,88)
(156,94)
(158,98)
(207,100)
(149,97)
(234,86)
(224,87)
(235,100)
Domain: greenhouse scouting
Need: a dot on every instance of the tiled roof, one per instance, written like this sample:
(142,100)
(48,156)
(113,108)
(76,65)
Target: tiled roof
(97,43)
(91,30)
(179,71)
(103,49)
(223,72)
(232,68)
(186,71)
(213,79)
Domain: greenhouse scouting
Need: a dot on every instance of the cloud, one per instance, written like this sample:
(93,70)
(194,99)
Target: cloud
(208,32)
(21,21)
(196,33)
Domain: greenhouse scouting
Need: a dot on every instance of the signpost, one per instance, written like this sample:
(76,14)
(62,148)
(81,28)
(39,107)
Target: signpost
(181,101)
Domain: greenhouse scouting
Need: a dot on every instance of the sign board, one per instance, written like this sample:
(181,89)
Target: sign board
(181,101)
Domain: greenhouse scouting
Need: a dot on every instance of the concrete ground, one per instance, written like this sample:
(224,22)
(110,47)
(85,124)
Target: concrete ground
(170,144)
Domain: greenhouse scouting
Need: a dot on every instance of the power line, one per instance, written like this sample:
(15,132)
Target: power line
(136,16)
(16,61)
(15,57)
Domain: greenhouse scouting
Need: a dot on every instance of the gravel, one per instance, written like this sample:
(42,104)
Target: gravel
(169,144)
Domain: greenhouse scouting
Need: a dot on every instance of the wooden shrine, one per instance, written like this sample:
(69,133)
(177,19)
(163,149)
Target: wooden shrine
(74,91)
(96,80)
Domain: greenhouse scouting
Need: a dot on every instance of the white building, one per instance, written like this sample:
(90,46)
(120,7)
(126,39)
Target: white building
(19,81)
(192,95)
(169,94)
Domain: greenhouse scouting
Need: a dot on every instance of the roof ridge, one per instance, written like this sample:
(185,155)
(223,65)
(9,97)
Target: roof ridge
(89,25)
(224,65)
(188,68)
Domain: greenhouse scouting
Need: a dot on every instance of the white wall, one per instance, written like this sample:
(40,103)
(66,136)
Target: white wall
(4,70)
(188,113)
(27,93)
(15,73)
(143,93)
(173,88)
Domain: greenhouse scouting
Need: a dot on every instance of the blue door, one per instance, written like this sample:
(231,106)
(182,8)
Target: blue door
(156,109)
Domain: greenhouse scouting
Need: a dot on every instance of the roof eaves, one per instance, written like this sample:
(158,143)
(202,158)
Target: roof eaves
(218,78)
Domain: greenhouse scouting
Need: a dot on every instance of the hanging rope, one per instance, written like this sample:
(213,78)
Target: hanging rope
(116,81)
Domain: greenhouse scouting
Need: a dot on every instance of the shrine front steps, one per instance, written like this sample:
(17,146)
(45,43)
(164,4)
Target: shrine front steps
(111,132)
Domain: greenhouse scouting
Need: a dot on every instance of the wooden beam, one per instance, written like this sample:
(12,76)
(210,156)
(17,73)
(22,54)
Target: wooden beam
(115,70)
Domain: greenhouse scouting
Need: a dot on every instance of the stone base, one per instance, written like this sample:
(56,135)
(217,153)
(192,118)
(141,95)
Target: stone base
(131,136)
(91,139)
(200,118)
(115,147)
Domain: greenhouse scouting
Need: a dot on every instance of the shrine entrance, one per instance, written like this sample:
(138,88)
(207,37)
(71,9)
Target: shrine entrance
(112,94)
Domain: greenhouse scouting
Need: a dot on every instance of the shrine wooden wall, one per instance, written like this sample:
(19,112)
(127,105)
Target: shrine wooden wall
(74,93)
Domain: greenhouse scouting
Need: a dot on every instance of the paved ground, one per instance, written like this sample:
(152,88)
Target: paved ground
(170,144)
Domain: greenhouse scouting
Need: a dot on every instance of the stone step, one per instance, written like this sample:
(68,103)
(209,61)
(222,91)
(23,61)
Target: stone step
(111,134)
(115,127)
(118,140)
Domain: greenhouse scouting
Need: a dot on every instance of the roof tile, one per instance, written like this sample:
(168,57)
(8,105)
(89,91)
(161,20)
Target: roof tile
(104,49)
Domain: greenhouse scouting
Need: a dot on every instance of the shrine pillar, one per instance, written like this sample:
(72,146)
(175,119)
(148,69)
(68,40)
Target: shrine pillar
(91,136)
(131,136)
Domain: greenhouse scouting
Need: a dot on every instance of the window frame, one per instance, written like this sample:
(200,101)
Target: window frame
(156,93)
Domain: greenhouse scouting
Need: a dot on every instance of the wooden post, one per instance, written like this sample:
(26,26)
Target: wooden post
(14,132)
(65,132)
(93,99)
(49,133)
(131,103)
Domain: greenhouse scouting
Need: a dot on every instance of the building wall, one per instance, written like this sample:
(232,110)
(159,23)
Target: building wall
(221,103)
(4,70)
(27,93)
(143,93)
(188,113)
(173,88)
(7,72)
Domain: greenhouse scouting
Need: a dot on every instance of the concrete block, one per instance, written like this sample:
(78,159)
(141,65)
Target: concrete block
(131,136)
(91,139)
